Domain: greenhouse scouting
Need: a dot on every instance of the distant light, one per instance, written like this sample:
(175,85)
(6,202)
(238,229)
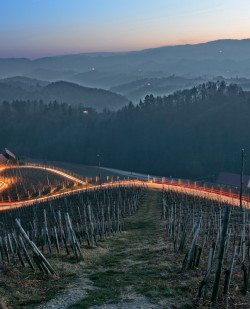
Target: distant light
(93,69)
(85,111)
(220,51)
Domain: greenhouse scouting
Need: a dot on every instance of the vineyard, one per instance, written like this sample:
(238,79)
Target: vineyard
(64,224)
(214,240)
(33,181)
(26,183)
(175,248)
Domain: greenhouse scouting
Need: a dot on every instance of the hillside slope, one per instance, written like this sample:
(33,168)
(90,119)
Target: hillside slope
(138,89)
(25,83)
(194,133)
(73,94)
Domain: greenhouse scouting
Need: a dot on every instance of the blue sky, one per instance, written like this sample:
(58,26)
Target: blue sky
(34,28)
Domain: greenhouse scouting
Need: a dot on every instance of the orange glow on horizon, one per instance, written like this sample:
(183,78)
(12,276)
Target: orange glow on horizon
(138,45)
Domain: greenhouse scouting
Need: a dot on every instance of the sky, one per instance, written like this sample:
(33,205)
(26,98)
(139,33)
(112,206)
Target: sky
(36,28)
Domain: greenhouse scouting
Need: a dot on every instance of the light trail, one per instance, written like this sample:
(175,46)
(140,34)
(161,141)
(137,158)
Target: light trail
(11,205)
(53,170)
(183,187)
(190,189)
(3,185)
(222,196)
(212,194)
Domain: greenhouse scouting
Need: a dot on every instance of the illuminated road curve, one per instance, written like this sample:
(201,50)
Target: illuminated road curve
(212,194)
(3,186)
(191,189)
(186,187)
(11,205)
(53,170)
(208,193)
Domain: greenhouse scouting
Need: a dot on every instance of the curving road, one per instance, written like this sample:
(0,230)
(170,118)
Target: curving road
(213,194)
(11,205)
(53,170)
(3,185)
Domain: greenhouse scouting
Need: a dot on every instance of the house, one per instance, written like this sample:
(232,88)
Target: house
(7,157)
(233,180)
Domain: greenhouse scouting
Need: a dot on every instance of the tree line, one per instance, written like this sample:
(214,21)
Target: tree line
(194,133)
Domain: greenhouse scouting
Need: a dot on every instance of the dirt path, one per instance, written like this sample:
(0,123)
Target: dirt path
(139,270)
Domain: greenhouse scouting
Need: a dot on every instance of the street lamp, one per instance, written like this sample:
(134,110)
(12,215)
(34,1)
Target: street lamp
(99,167)
(242,177)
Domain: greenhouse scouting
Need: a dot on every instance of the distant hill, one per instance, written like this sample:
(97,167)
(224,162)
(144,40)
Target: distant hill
(75,94)
(9,93)
(28,89)
(228,58)
(51,75)
(94,78)
(25,83)
(138,89)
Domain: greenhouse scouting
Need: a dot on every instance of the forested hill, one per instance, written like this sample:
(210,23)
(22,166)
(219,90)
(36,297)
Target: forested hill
(138,89)
(193,133)
(61,91)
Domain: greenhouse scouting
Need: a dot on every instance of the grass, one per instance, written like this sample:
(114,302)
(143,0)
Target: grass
(24,288)
(137,262)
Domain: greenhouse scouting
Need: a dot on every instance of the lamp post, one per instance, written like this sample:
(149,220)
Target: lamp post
(243,232)
(99,168)
(241,177)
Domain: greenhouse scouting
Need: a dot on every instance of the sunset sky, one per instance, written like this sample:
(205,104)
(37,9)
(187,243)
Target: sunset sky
(35,28)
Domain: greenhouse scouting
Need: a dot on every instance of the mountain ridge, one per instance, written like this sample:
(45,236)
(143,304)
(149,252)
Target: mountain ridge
(227,57)
(99,53)
(63,91)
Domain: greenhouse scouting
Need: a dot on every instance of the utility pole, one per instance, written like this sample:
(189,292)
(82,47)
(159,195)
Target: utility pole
(99,167)
(243,231)
(241,177)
